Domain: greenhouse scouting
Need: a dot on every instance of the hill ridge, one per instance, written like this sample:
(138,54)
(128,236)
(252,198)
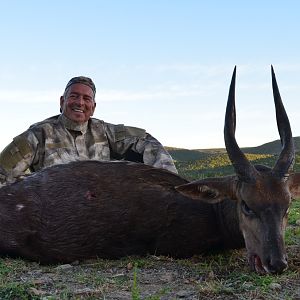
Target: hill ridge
(273,148)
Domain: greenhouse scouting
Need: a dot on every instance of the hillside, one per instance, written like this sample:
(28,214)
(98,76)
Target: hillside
(273,147)
(187,155)
(197,164)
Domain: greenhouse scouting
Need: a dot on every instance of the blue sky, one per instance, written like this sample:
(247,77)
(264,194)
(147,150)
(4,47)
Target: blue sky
(161,65)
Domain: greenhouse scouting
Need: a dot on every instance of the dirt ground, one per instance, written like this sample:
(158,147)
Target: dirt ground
(224,276)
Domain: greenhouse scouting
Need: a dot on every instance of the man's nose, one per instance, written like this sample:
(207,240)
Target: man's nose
(80,100)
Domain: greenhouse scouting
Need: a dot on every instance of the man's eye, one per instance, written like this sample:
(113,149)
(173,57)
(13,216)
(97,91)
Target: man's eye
(246,210)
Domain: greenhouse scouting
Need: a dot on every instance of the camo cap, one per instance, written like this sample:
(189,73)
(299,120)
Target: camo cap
(83,80)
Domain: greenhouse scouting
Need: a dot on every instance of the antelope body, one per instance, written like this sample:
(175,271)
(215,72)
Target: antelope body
(109,209)
(93,209)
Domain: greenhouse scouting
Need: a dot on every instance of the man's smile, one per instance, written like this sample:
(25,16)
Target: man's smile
(77,110)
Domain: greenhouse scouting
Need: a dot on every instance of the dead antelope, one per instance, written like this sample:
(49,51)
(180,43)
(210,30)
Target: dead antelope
(263,195)
(94,209)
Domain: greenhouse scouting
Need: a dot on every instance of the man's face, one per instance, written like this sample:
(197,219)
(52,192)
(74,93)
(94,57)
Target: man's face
(78,103)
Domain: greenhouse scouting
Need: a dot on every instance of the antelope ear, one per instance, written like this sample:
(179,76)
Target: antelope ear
(210,190)
(294,185)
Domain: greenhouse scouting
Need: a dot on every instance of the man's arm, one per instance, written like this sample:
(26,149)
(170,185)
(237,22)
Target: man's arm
(125,141)
(17,157)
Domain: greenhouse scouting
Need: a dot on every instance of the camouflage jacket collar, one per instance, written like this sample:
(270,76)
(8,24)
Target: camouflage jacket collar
(71,125)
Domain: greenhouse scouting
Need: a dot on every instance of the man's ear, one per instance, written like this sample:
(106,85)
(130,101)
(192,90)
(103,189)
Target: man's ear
(294,185)
(210,190)
(93,108)
(62,100)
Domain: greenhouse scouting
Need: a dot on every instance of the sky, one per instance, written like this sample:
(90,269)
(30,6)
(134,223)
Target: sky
(162,65)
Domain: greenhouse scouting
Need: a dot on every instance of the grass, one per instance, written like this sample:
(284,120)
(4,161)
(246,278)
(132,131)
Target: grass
(294,214)
(292,233)
(210,277)
(16,291)
(135,291)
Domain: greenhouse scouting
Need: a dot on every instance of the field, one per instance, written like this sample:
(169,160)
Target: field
(223,275)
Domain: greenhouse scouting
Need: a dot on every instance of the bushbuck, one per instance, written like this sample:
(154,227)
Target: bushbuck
(263,195)
(89,209)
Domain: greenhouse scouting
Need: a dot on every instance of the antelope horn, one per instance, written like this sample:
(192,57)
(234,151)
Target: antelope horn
(242,166)
(287,156)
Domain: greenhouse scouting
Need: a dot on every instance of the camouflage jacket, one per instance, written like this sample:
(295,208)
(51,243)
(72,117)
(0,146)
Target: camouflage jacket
(59,140)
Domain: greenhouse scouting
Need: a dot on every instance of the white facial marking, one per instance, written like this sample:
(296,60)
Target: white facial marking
(19,207)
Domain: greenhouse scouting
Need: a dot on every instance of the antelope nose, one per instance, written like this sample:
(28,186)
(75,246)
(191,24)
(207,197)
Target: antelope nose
(277,266)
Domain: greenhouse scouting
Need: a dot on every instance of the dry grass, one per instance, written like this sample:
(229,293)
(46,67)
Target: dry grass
(222,276)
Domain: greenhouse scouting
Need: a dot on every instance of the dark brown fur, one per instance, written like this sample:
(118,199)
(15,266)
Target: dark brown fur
(109,209)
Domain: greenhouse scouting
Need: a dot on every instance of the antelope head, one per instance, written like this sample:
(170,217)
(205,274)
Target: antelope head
(263,194)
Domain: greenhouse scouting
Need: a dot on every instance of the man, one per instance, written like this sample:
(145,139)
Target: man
(74,135)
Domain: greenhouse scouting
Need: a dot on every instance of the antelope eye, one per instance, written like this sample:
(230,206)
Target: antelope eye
(246,210)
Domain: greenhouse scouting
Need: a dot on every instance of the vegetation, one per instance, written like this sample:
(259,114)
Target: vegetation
(198,164)
(297,162)
(217,165)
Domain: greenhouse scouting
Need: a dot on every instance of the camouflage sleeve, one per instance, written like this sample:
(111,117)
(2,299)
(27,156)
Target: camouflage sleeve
(17,157)
(154,153)
(125,139)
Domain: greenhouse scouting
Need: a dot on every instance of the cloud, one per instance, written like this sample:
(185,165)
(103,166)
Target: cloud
(162,92)
(170,81)
(19,96)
